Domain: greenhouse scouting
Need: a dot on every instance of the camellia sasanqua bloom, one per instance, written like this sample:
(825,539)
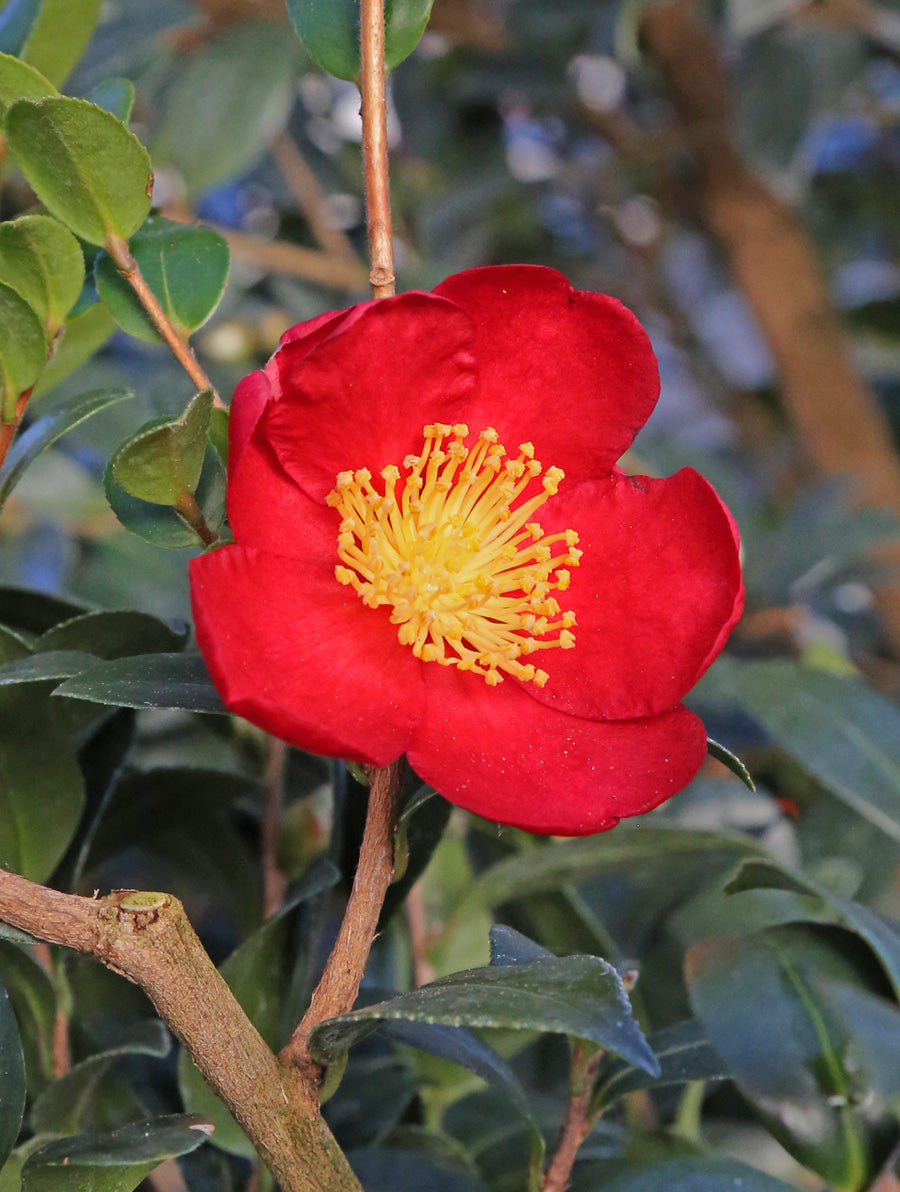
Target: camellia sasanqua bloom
(436,555)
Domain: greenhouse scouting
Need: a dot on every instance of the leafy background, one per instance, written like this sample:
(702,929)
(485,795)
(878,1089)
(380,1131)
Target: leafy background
(752,931)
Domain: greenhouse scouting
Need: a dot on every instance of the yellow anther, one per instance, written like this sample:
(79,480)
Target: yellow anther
(452,548)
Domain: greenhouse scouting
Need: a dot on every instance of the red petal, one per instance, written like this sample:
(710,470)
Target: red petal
(311,328)
(361,396)
(292,651)
(569,370)
(508,758)
(268,510)
(249,401)
(656,594)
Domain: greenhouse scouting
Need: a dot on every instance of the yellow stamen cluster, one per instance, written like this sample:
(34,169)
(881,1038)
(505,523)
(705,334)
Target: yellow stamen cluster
(467,570)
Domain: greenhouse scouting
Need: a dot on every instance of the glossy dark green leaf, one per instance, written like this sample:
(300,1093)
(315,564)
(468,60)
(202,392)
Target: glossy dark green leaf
(33,999)
(329,30)
(116,95)
(66,1105)
(161,524)
(30,611)
(83,335)
(801,898)
(259,974)
(580,996)
(236,109)
(41,788)
(18,80)
(42,261)
(161,462)
(789,1060)
(697,1175)
(630,848)
(186,267)
(873,1030)
(732,761)
(839,730)
(41,668)
(684,1054)
(147,681)
(23,349)
(113,1162)
(46,429)
(509,946)
(85,166)
(12,1078)
(114,635)
(391,1169)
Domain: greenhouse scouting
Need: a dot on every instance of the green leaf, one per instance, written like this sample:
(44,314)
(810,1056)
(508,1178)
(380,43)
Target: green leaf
(218,432)
(732,761)
(113,1162)
(65,1106)
(116,95)
(82,336)
(23,349)
(31,611)
(114,635)
(161,524)
(33,999)
(18,81)
(789,1060)
(684,1054)
(580,996)
(844,734)
(186,267)
(260,975)
(42,261)
(697,1175)
(236,109)
(41,668)
(45,430)
(60,36)
(147,681)
(41,787)
(12,1078)
(162,461)
(84,165)
(329,29)
(801,899)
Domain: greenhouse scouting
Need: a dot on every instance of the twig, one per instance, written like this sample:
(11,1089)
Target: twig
(325,269)
(147,938)
(310,197)
(274,881)
(340,982)
(375,148)
(128,267)
(61,1054)
(190,511)
(579,1121)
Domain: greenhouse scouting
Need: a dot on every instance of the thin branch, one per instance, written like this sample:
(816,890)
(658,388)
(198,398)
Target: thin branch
(325,269)
(147,938)
(274,881)
(311,199)
(128,267)
(190,511)
(579,1121)
(340,982)
(375,148)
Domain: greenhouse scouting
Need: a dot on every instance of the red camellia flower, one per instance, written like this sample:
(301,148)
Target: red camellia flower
(436,555)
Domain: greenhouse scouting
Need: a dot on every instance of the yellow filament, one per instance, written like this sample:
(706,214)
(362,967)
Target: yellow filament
(452,546)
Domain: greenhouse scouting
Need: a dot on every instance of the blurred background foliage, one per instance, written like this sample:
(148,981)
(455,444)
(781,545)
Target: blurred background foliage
(728,170)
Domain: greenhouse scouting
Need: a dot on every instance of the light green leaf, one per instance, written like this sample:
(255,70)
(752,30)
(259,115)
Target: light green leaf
(161,524)
(23,349)
(85,166)
(60,36)
(163,460)
(42,261)
(18,80)
(186,267)
(82,336)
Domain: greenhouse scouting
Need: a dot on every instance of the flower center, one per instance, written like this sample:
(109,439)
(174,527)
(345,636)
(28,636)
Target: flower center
(451,545)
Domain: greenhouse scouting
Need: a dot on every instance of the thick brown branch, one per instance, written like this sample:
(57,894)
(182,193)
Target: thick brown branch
(340,982)
(148,939)
(375,148)
(774,263)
